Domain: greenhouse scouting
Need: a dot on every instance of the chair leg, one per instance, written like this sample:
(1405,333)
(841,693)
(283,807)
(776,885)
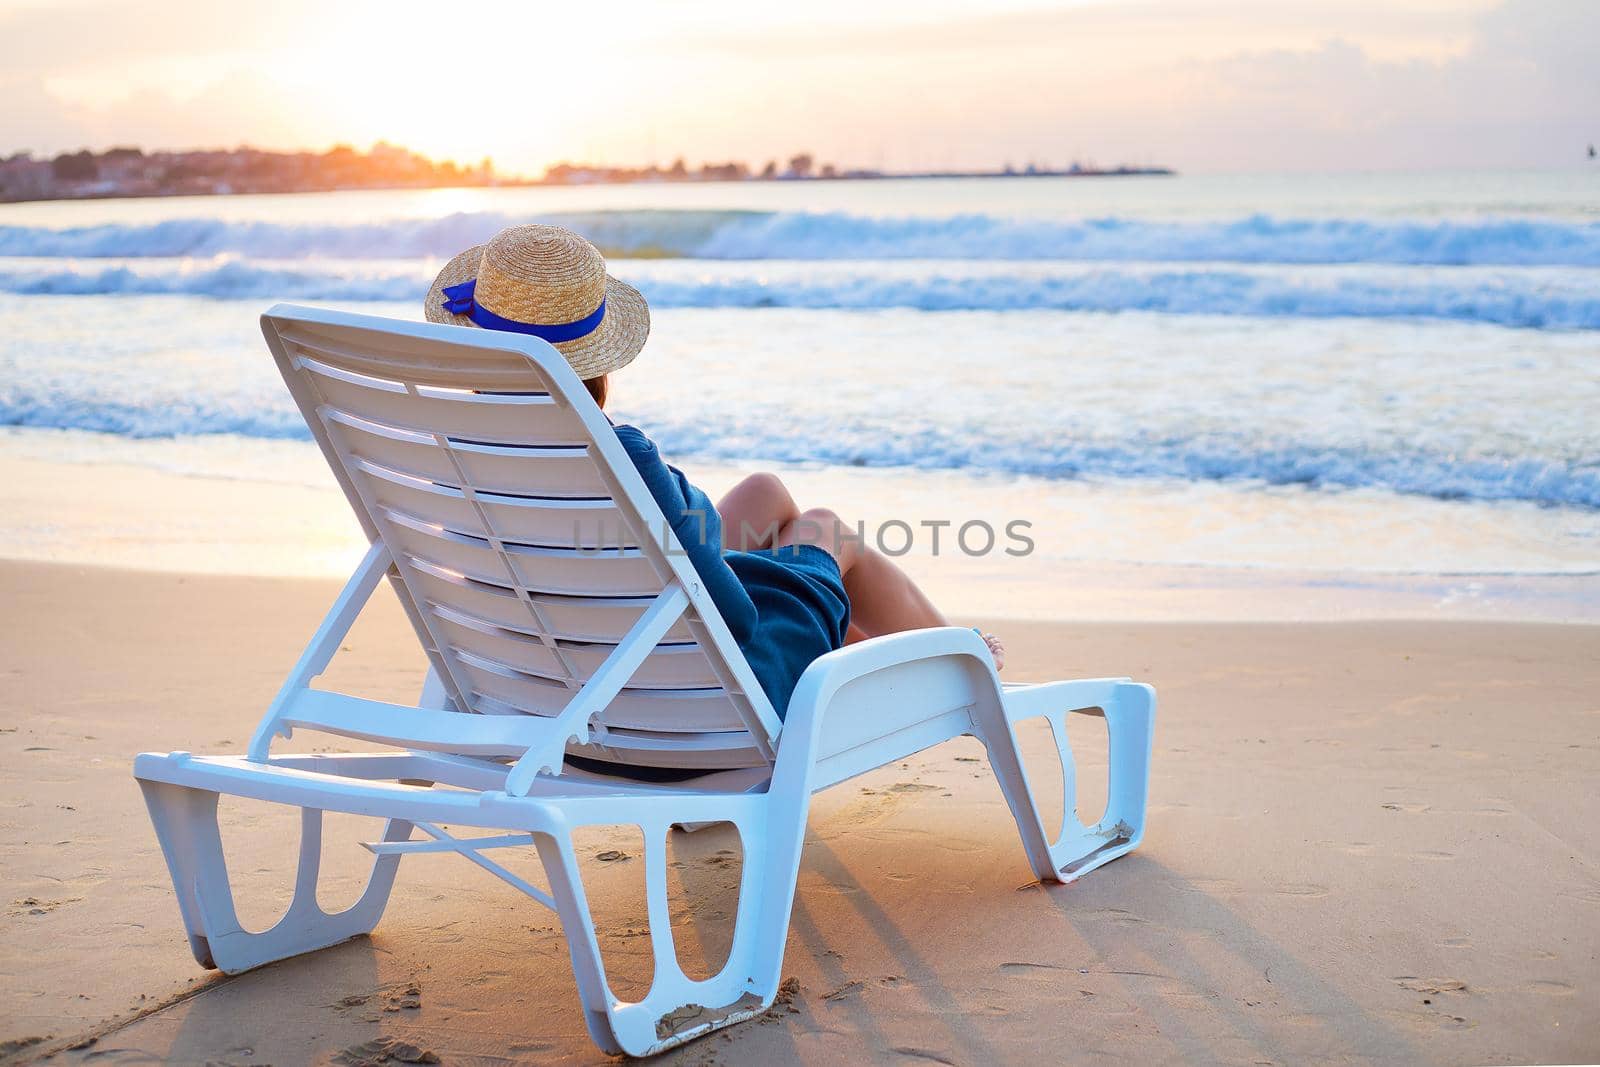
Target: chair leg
(186,825)
(1129,711)
(1130,722)
(577,925)
(1005,760)
(678,1009)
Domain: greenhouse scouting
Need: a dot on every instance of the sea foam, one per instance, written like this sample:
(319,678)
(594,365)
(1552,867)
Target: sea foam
(1541,299)
(837,236)
(1238,458)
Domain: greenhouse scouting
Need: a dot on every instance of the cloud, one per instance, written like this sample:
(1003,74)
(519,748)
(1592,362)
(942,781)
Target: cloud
(1199,84)
(1518,86)
(1160,28)
(64,38)
(241,108)
(1525,92)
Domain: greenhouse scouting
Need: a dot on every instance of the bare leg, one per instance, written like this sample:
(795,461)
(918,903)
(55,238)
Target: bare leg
(754,511)
(883,599)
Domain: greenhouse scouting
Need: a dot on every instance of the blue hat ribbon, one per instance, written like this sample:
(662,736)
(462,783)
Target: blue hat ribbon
(460,300)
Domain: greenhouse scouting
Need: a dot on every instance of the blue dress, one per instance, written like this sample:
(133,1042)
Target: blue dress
(784,606)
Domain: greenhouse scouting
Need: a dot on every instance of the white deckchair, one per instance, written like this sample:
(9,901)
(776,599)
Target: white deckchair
(481,472)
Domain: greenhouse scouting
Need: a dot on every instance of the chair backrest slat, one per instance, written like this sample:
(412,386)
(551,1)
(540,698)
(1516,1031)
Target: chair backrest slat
(561,470)
(550,521)
(675,666)
(540,569)
(573,618)
(523,419)
(525,545)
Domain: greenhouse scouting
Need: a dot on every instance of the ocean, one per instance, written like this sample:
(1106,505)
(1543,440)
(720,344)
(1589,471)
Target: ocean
(1355,374)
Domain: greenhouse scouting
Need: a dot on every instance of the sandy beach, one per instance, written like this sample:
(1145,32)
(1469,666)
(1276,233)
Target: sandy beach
(1248,351)
(1368,841)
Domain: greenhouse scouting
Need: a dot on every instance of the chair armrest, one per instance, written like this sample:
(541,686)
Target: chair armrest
(1048,699)
(869,703)
(834,669)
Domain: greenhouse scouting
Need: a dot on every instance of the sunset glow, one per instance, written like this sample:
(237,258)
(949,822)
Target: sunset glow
(1198,84)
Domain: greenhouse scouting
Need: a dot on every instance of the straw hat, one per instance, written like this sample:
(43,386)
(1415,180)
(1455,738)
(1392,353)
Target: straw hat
(550,283)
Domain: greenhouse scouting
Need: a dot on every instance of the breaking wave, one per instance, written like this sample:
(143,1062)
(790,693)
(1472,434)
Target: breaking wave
(1541,299)
(749,235)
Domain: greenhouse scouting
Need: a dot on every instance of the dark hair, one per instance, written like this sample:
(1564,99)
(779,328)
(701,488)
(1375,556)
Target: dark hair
(597,388)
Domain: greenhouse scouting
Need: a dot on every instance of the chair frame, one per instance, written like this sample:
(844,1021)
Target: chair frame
(854,710)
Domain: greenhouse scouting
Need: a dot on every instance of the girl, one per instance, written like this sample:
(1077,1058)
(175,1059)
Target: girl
(791,583)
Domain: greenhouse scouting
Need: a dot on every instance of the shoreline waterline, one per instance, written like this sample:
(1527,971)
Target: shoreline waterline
(1102,551)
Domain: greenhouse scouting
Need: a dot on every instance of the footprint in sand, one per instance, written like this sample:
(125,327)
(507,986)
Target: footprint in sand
(846,990)
(1114,915)
(1431,986)
(1223,887)
(35,906)
(1035,969)
(532,1048)
(384,1050)
(922,1054)
(1551,987)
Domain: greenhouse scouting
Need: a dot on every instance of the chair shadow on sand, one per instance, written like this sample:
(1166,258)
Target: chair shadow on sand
(211,1030)
(1168,912)
(234,1013)
(1143,949)
(1308,1018)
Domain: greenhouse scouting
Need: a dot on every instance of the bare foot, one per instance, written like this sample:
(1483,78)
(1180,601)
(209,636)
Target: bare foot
(997,650)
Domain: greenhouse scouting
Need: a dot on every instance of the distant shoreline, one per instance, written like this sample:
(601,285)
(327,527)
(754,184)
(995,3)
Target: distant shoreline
(128,172)
(523,183)
(866,176)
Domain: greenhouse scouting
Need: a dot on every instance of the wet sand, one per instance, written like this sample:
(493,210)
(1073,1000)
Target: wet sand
(1367,841)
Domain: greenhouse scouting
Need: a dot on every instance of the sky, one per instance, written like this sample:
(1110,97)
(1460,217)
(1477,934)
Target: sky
(1200,85)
